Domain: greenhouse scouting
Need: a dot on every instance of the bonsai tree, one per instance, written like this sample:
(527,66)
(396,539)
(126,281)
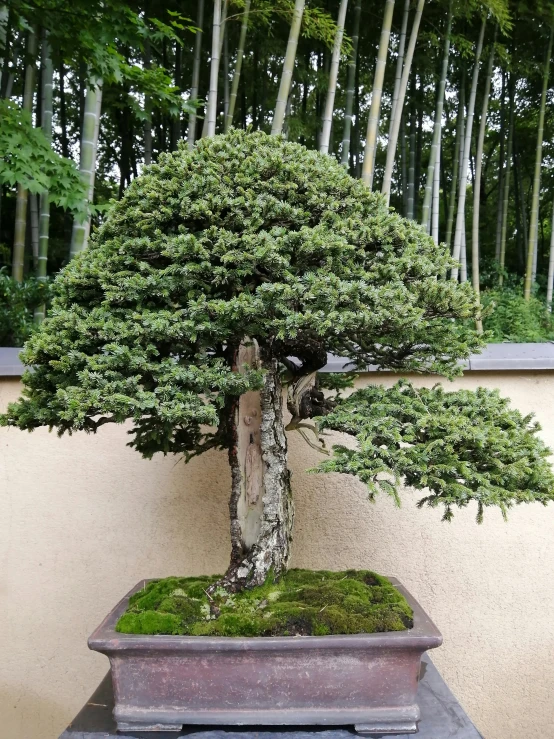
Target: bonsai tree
(230,271)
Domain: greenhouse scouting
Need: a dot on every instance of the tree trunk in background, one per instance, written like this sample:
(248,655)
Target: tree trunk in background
(288,69)
(399,60)
(18,257)
(147,110)
(191,134)
(238,68)
(351,81)
(211,113)
(550,281)
(333,75)
(530,272)
(437,128)
(375,108)
(87,166)
(261,506)
(456,160)
(507,173)
(460,216)
(477,184)
(395,127)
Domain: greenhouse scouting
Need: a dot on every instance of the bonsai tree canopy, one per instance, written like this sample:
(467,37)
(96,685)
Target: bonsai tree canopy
(232,269)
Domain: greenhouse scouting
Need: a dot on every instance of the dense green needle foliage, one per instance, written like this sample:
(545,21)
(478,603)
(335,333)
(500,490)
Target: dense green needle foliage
(302,602)
(245,235)
(460,446)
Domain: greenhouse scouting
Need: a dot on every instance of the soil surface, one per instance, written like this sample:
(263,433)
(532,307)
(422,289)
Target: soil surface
(301,603)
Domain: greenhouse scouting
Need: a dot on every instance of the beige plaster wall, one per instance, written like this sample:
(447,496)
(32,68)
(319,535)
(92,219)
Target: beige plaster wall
(84,518)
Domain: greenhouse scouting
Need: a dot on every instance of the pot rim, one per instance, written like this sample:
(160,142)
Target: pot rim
(423,635)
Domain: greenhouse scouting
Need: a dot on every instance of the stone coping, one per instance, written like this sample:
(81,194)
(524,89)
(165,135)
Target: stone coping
(496,357)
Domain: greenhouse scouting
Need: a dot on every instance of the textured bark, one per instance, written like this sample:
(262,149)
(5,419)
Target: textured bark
(375,108)
(288,68)
(351,81)
(261,507)
(333,76)
(530,272)
(460,215)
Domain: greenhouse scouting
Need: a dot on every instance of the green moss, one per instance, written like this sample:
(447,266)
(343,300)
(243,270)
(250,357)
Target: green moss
(302,602)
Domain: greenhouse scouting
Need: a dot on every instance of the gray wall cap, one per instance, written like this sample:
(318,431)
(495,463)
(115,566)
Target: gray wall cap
(495,357)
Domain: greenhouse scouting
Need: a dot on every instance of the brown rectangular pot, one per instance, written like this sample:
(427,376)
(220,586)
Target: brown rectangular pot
(369,680)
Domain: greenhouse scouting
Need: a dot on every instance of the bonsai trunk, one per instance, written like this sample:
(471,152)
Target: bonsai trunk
(261,506)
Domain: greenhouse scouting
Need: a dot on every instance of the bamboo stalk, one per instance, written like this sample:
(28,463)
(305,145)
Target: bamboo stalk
(506,193)
(333,76)
(550,281)
(411,164)
(435,205)
(393,139)
(460,215)
(87,166)
(477,184)
(22,199)
(211,112)
(437,126)
(191,133)
(350,84)
(288,69)
(375,108)
(238,67)
(530,272)
(400,58)
(456,161)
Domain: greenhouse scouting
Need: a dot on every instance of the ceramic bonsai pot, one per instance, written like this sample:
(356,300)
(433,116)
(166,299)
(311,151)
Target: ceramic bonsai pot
(369,680)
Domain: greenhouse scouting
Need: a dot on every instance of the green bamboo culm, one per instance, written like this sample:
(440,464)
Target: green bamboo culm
(44,207)
(395,126)
(375,108)
(89,141)
(211,112)
(437,124)
(238,67)
(534,225)
(18,256)
(350,84)
(459,231)
(288,68)
(333,76)
(191,134)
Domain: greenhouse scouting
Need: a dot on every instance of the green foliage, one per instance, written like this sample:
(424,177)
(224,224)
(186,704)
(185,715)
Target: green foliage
(302,602)
(17,303)
(461,446)
(27,159)
(245,235)
(509,317)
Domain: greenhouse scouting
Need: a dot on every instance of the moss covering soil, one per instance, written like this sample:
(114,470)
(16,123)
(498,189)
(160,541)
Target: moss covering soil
(301,603)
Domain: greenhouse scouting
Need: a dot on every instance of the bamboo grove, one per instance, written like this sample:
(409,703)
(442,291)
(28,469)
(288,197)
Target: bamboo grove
(444,106)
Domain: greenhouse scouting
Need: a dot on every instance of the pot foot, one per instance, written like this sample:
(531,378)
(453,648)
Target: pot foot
(145,726)
(378,729)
